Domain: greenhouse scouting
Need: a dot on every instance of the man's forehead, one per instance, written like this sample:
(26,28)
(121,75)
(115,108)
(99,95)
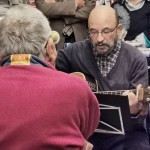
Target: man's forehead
(101,24)
(102,16)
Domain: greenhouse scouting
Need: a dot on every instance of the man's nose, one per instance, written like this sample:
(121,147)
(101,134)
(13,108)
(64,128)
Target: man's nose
(100,37)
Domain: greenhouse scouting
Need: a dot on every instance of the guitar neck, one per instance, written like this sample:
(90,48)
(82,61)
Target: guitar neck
(143,94)
(117,92)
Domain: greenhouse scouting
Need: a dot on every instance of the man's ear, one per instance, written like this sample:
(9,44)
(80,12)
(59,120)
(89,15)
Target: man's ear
(121,31)
(119,27)
(51,52)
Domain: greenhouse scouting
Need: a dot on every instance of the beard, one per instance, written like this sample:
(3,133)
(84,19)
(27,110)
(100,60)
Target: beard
(104,48)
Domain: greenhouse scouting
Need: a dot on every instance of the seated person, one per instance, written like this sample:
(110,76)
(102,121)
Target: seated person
(41,108)
(115,65)
(134,15)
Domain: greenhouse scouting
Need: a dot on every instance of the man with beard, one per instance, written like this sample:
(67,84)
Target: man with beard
(116,66)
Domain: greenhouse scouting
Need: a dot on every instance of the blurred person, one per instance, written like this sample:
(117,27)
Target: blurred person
(116,66)
(68,18)
(6,4)
(135,18)
(41,108)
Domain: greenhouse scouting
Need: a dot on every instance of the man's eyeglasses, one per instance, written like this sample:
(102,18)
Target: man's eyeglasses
(106,32)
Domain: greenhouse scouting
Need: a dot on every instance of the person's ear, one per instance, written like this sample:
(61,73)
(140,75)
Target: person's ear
(51,52)
(119,27)
(121,32)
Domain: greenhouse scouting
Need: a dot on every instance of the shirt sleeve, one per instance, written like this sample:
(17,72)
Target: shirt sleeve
(82,13)
(57,9)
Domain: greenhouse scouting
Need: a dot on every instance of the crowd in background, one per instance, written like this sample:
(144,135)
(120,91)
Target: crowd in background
(69,18)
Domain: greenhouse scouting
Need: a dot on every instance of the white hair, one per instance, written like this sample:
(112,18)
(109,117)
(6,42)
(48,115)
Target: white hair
(24,30)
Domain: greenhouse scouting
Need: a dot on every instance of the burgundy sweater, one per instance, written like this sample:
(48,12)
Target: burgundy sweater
(43,109)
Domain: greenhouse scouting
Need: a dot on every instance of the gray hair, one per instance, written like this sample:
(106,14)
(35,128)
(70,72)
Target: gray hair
(24,30)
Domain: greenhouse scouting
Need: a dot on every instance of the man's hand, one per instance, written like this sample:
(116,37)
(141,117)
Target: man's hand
(51,52)
(135,105)
(87,146)
(80,3)
(133,102)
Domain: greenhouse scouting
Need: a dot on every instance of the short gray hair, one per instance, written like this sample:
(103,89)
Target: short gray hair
(24,30)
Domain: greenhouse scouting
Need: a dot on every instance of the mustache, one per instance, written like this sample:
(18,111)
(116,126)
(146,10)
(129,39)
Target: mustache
(101,44)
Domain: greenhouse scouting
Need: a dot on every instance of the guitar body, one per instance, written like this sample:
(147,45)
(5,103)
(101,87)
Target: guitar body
(90,80)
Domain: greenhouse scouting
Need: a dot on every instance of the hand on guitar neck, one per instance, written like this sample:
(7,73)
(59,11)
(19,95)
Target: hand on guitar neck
(138,102)
(135,99)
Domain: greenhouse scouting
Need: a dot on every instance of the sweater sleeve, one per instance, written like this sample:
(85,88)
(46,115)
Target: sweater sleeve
(139,72)
(94,117)
(57,9)
(89,112)
(62,62)
(65,59)
(81,14)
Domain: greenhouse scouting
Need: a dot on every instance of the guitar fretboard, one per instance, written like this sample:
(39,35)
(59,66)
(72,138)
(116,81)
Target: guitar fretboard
(118,92)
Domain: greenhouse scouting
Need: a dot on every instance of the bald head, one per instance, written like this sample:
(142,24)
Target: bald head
(103,14)
(103,28)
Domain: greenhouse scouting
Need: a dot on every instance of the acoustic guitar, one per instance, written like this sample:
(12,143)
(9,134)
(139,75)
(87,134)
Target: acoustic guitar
(143,94)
